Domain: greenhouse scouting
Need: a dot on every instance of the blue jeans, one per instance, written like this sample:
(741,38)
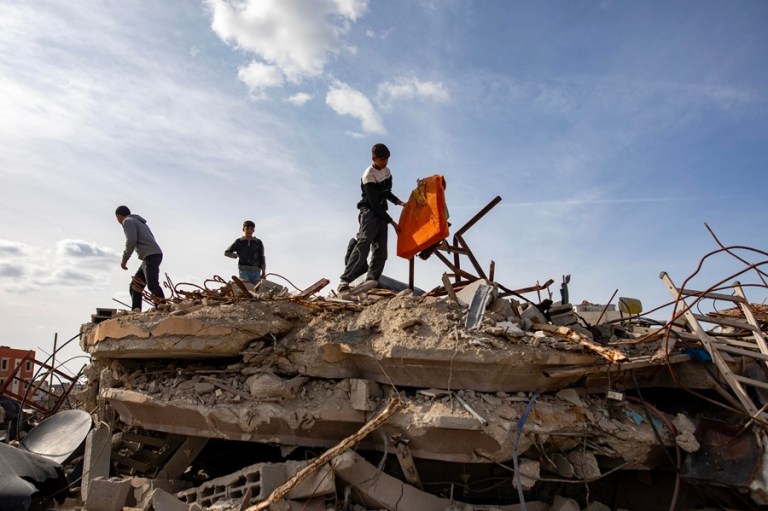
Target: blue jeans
(251,276)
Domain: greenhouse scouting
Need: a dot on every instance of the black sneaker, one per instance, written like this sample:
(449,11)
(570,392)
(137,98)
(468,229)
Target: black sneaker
(343,287)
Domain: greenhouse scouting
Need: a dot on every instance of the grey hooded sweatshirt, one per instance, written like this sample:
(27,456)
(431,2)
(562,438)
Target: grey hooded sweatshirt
(138,237)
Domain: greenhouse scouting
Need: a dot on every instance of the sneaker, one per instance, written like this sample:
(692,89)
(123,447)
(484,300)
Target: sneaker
(343,287)
(365,287)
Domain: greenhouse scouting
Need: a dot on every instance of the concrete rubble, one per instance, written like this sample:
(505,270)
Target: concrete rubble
(470,397)
(502,410)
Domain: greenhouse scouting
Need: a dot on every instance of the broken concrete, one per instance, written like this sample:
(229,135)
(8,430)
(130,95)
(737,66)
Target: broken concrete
(96,459)
(482,386)
(220,331)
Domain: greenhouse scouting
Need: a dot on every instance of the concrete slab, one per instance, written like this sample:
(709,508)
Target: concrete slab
(514,368)
(435,428)
(209,332)
(105,494)
(96,458)
(381,491)
(164,501)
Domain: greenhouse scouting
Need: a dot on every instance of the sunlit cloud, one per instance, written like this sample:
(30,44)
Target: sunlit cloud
(344,100)
(300,99)
(411,88)
(258,76)
(282,34)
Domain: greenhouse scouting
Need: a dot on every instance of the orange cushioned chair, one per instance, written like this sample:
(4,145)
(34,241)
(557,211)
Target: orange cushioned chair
(424,219)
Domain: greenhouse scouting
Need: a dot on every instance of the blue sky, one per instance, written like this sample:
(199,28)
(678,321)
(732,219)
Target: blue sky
(612,130)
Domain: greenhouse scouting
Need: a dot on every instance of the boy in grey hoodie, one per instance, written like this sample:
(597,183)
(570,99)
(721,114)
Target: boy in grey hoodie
(140,239)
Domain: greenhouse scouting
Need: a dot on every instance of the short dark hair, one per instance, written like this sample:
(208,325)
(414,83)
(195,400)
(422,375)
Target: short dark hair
(380,151)
(249,223)
(122,211)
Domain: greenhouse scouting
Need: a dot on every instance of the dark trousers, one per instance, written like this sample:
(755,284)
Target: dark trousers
(371,237)
(148,275)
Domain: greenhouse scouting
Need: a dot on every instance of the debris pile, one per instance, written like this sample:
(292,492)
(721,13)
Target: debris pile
(469,397)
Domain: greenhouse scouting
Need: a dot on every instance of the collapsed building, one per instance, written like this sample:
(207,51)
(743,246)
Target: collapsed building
(470,396)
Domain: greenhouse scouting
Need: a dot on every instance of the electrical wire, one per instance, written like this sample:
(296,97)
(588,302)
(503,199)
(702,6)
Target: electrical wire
(520,425)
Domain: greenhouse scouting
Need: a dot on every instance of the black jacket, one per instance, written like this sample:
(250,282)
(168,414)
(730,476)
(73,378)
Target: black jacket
(249,252)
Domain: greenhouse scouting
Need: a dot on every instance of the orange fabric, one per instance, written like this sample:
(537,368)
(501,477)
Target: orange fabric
(424,219)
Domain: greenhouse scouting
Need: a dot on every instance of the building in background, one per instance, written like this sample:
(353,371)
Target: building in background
(10,359)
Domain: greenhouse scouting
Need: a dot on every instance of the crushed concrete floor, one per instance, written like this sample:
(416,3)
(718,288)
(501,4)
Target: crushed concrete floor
(465,399)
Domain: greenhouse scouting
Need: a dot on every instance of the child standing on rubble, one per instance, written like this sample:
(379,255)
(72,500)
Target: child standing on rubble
(373,219)
(249,251)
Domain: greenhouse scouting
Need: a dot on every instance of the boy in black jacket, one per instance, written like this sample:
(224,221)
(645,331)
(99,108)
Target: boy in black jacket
(376,186)
(250,253)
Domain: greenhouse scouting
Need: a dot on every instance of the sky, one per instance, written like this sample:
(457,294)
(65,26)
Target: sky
(612,131)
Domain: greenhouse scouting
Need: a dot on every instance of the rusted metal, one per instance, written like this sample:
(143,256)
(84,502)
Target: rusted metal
(239,284)
(505,292)
(457,271)
(479,269)
(26,398)
(472,221)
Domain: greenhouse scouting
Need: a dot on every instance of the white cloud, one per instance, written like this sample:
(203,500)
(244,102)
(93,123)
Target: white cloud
(411,88)
(258,76)
(299,99)
(12,248)
(378,35)
(344,100)
(296,36)
(351,9)
(69,265)
(84,249)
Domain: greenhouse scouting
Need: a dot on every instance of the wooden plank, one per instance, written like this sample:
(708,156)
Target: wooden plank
(715,296)
(706,341)
(746,353)
(600,368)
(757,333)
(314,288)
(735,342)
(751,382)
(734,323)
